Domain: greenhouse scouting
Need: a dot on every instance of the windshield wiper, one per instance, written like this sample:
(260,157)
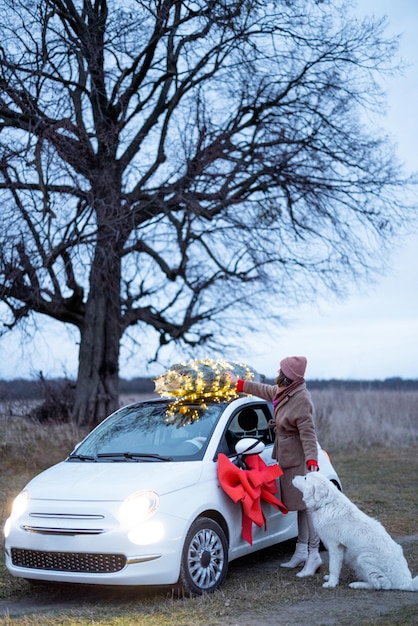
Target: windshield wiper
(81,457)
(134,456)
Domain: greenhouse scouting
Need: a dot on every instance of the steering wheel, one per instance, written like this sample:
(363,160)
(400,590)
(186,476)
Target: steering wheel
(196,441)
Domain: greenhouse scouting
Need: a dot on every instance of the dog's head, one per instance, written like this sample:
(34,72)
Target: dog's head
(316,489)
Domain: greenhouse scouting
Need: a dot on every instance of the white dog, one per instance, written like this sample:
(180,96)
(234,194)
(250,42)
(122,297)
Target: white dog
(352,536)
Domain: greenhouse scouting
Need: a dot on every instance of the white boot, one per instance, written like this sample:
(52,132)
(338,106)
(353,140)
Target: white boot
(312,565)
(299,557)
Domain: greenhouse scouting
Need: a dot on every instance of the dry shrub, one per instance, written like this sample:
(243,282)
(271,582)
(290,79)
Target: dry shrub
(57,400)
(362,418)
(34,445)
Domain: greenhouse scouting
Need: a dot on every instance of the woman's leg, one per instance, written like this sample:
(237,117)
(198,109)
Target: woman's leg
(301,550)
(313,562)
(303,527)
(313,540)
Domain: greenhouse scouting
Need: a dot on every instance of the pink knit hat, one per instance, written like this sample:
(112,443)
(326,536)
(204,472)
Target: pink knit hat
(293,367)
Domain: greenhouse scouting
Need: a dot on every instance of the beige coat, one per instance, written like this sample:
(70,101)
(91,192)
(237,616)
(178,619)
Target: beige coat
(295,442)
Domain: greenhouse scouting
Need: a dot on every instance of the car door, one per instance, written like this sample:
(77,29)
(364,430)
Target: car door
(254,421)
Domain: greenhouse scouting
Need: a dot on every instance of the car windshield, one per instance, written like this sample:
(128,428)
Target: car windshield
(151,432)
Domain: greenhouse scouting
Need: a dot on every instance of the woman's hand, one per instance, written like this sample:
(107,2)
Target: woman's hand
(232,378)
(312,466)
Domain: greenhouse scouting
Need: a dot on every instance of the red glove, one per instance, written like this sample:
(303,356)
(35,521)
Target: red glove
(240,386)
(312,466)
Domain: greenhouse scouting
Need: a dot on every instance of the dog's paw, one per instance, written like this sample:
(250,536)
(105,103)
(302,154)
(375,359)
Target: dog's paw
(329,584)
(359,584)
(326,577)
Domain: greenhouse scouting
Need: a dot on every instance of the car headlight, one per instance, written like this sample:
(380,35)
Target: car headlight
(20,504)
(7,527)
(138,507)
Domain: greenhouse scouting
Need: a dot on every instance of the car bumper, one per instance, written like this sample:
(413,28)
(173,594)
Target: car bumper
(108,558)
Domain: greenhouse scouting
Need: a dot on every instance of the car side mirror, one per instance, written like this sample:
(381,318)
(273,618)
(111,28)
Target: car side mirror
(249,445)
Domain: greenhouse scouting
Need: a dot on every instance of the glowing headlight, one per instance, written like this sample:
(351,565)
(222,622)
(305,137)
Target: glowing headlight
(20,504)
(138,507)
(7,526)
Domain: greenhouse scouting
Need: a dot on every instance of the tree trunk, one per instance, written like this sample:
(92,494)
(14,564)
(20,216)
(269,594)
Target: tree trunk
(97,390)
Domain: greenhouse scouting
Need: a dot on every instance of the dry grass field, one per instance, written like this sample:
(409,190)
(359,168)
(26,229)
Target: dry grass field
(372,437)
(360,419)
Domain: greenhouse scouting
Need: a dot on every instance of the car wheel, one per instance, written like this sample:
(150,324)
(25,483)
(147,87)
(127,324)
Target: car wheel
(204,562)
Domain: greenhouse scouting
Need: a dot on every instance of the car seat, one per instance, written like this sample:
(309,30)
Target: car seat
(248,422)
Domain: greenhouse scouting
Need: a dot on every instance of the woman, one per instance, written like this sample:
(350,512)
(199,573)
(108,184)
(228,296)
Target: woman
(295,448)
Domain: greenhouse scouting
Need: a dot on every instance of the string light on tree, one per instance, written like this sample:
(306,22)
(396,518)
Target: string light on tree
(197,381)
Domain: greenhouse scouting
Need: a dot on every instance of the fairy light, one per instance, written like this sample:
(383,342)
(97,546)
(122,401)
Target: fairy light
(195,382)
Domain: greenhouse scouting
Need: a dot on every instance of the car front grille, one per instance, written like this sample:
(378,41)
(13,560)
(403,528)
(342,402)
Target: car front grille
(68,561)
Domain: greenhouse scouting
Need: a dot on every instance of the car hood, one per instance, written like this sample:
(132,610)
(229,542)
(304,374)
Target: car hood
(111,481)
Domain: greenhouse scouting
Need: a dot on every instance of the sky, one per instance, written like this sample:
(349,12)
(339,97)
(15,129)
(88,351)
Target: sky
(371,335)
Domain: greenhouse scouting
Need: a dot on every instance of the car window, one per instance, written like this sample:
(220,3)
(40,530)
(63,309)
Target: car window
(152,430)
(249,421)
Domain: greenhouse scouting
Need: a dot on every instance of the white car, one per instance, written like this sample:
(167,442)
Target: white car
(139,501)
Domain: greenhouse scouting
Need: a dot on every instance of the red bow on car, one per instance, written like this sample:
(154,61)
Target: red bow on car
(250,486)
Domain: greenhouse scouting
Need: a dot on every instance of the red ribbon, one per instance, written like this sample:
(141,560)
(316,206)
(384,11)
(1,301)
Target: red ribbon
(250,487)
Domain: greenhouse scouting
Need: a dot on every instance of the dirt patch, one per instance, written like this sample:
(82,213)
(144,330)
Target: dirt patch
(337,612)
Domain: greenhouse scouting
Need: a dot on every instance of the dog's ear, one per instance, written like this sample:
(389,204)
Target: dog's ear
(308,491)
(321,487)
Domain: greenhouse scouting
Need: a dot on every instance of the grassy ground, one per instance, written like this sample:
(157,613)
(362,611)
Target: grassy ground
(382,480)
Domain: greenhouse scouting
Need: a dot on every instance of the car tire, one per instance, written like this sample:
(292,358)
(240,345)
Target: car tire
(204,562)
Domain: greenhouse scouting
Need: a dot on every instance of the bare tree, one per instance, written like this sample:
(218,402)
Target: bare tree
(164,162)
